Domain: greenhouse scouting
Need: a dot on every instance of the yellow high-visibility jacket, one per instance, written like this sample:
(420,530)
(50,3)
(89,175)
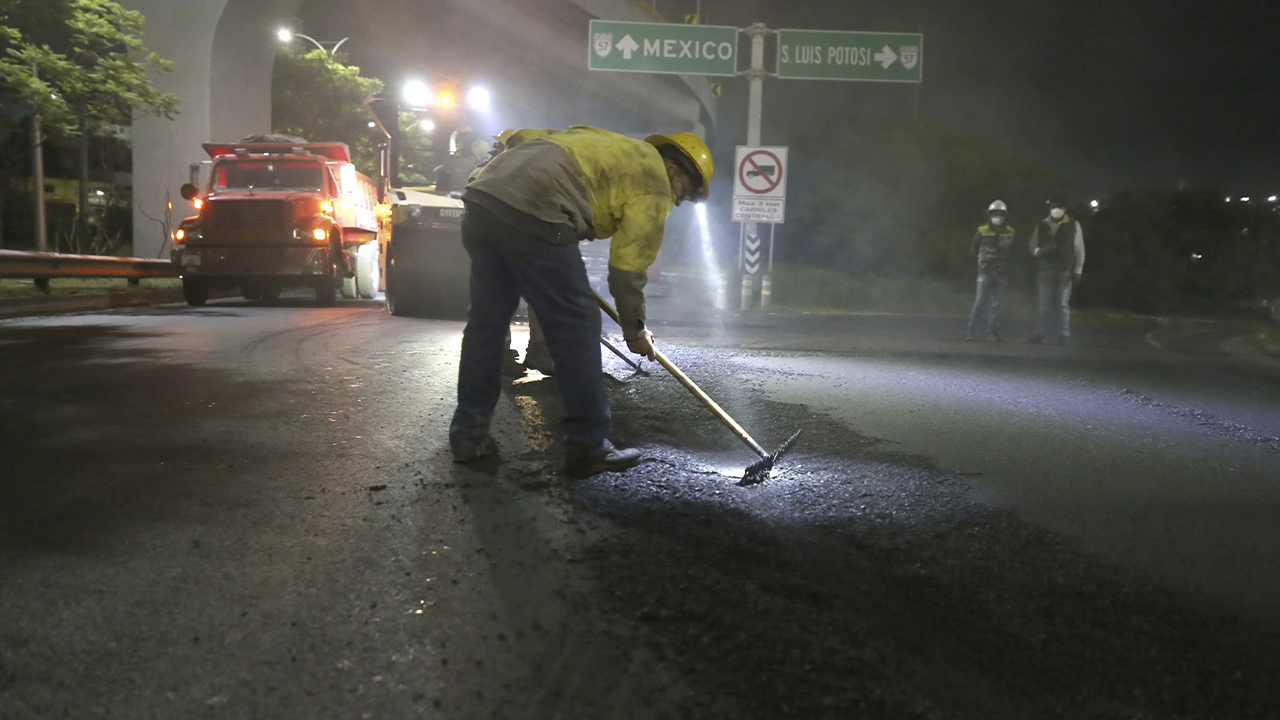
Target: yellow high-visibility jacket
(602,184)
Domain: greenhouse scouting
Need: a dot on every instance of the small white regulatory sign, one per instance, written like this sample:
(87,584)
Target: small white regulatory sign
(760,184)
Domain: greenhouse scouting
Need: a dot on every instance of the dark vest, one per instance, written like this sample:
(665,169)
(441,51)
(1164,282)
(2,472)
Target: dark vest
(991,245)
(1057,247)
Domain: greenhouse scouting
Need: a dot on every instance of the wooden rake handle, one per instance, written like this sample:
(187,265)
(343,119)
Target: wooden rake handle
(691,386)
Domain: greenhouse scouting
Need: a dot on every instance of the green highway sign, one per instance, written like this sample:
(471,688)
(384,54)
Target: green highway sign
(663,48)
(837,55)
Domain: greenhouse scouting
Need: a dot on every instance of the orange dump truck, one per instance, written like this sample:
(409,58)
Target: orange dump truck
(280,215)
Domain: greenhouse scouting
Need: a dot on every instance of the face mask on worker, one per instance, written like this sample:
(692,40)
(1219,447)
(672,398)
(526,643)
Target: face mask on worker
(997,219)
(1057,213)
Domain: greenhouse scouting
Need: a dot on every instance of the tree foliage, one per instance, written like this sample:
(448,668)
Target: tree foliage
(79,64)
(901,197)
(1159,251)
(318,97)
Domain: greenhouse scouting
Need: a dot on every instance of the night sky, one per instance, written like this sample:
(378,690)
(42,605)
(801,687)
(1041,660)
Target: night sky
(1109,93)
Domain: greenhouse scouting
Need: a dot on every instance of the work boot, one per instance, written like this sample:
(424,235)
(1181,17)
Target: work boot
(1035,340)
(538,357)
(993,336)
(607,459)
(968,337)
(487,447)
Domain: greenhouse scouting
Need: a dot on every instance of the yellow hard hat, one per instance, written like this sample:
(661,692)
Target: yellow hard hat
(505,135)
(696,150)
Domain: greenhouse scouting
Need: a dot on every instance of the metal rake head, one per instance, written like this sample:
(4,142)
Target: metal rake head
(758,471)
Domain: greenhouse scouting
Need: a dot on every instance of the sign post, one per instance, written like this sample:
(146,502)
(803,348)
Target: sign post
(755,98)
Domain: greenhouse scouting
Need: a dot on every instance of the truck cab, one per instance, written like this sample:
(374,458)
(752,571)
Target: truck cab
(271,216)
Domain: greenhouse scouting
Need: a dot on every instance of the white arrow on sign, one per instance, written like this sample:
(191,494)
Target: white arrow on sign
(885,57)
(628,45)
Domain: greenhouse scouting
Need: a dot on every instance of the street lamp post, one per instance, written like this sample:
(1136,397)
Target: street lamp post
(286,35)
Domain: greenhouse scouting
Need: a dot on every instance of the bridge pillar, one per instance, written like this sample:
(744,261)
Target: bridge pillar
(223,52)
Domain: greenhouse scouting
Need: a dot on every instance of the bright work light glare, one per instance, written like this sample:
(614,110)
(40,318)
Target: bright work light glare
(417,94)
(478,99)
(284,35)
(707,252)
(428,126)
(709,256)
(446,99)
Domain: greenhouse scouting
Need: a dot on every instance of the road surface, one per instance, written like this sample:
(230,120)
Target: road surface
(247,510)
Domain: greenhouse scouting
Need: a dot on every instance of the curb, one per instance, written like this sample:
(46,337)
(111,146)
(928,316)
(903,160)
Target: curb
(34,305)
(29,305)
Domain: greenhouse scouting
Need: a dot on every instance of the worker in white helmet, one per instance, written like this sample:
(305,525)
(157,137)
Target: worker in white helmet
(990,247)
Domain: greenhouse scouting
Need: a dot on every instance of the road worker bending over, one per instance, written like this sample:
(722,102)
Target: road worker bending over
(524,217)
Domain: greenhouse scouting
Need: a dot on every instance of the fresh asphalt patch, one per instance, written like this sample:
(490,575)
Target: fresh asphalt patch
(858,582)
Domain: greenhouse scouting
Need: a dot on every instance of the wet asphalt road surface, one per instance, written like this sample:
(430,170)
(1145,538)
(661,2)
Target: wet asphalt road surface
(247,511)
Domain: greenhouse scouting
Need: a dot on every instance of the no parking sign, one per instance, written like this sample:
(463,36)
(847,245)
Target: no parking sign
(760,184)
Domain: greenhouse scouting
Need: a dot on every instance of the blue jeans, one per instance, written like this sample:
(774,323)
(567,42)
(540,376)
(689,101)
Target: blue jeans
(507,264)
(990,291)
(1054,316)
